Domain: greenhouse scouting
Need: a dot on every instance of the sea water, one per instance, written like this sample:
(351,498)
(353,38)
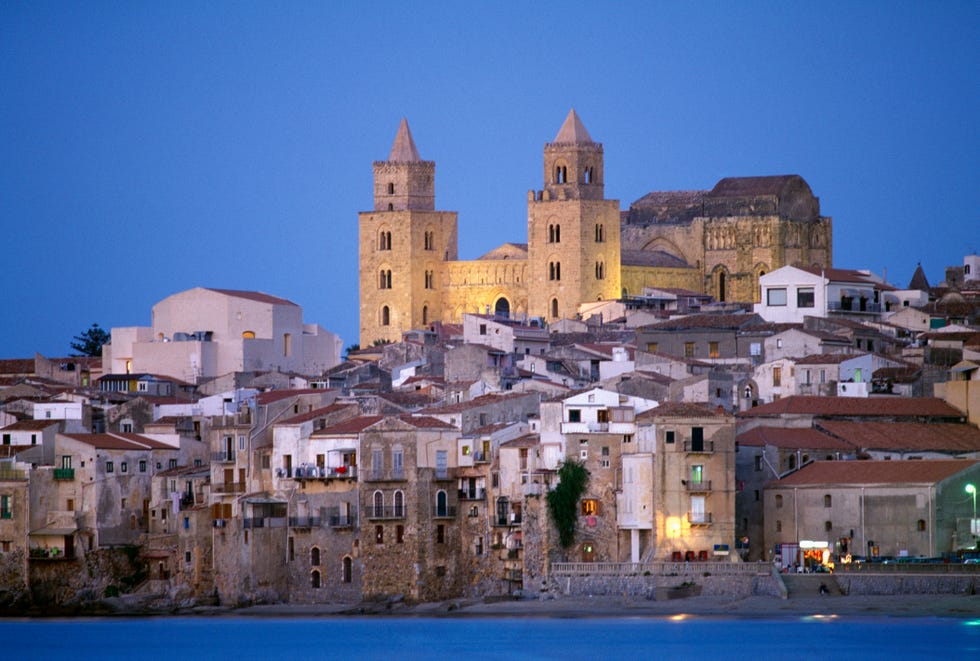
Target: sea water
(393,637)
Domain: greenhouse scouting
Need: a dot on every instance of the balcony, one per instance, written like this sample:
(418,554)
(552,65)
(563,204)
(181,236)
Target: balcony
(472,494)
(223,457)
(853,306)
(12,474)
(379,475)
(325,473)
(699,518)
(386,512)
(444,513)
(513,519)
(228,487)
(304,522)
(699,447)
(445,474)
(343,520)
(598,427)
(697,487)
(66,474)
(480,458)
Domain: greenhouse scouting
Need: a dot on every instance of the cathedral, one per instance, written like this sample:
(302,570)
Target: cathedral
(717,241)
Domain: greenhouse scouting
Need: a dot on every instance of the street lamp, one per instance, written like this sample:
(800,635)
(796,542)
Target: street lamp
(972,490)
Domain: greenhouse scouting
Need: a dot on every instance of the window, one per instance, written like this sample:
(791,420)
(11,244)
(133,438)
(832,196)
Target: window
(442,503)
(804,297)
(385,316)
(379,503)
(554,270)
(5,504)
(689,349)
(127,427)
(758,462)
(779,526)
(779,501)
(315,578)
(653,347)
(172,463)
(391,188)
(483,329)
(697,439)
(142,465)
(600,232)
(399,534)
(554,233)
(713,350)
(291,549)
(70,505)
(384,279)
(429,279)
(776,296)
(777,376)
(697,474)
(347,569)
(440,534)
(384,240)
(123,467)
(920,525)
(399,504)
(109,467)
(590,507)
(315,557)
(379,534)
(600,271)
(574,415)
(554,311)
(827,500)
(604,456)
(669,437)
(187,556)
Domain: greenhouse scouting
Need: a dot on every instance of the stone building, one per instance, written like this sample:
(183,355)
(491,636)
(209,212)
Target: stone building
(718,242)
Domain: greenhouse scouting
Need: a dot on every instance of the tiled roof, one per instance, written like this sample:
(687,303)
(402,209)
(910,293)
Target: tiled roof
(655,258)
(314,414)
(276,395)
(671,198)
(483,400)
(525,441)
(915,436)
(30,425)
(17,366)
(855,406)
(843,275)
(120,442)
(750,186)
(706,321)
(827,358)
(682,410)
(507,251)
(874,472)
(572,131)
(792,438)
(256,296)
(352,426)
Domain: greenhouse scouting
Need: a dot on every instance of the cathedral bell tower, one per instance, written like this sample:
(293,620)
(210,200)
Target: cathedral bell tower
(404,245)
(573,231)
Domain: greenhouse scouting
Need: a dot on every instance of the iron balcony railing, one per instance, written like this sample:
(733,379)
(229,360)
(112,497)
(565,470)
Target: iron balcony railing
(304,522)
(389,512)
(472,494)
(447,512)
(695,487)
(64,473)
(223,457)
(228,487)
(379,475)
(699,447)
(699,518)
(343,520)
(325,473)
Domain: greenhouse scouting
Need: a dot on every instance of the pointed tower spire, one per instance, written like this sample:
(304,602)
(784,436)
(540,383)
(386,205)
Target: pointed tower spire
(573,130)
(403,150)
(919,281)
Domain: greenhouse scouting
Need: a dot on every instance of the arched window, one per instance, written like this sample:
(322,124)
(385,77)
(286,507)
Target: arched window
(442,503)
(315,556)
(600,233)
(399,504)
(792,461)
(554,270)
(384,238)
(587,176)
(502,307)
(315,578)
(385,316)
(399,534)
(561,174)
(827,500)
(384,281)
(425,315)
(600,271)
(554,308)
(721,287)
(248,335)
(391,207)
(379,534)
(347,569)
(391,189)
(379,504)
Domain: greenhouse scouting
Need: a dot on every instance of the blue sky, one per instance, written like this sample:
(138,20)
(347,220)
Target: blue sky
(153,147)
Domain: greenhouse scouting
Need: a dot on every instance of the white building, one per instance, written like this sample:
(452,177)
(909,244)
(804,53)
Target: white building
(202,333)
(791,293)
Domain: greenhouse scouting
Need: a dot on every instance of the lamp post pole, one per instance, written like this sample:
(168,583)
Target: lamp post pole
(972,490)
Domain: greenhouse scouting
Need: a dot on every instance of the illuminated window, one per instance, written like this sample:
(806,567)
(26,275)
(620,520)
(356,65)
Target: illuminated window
(713,350)
(590,507)
(248,335)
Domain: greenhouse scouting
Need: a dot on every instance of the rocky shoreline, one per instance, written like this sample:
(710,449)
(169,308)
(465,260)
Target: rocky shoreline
(961,606)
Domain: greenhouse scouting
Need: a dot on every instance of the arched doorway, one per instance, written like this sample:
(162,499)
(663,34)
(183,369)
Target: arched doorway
(502,308)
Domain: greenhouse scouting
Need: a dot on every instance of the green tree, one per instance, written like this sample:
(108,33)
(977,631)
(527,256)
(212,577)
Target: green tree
(563,499)
(90,342)
(353,347)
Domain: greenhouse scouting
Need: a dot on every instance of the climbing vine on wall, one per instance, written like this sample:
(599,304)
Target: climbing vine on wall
(563,499)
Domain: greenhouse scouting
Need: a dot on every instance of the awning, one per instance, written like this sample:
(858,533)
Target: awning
(964,366)
(53,532)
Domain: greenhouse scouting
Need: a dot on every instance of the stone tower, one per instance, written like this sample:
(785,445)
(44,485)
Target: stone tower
(404,244)
(573,231)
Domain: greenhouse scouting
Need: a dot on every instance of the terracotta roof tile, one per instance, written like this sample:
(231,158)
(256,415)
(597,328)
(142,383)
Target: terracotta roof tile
(855,406)
(792,438)
(682,410)
(914,436)
(874,472)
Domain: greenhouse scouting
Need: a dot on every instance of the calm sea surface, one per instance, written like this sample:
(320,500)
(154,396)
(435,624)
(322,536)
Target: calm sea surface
(701,638)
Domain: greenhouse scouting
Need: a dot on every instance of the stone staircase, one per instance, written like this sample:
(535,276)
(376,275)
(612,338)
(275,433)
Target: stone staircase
(808,585)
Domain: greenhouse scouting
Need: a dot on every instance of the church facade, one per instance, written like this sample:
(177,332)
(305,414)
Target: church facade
(717,242)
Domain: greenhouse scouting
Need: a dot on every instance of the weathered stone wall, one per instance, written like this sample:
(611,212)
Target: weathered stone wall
(70,585)
(658,587)
(907,583)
